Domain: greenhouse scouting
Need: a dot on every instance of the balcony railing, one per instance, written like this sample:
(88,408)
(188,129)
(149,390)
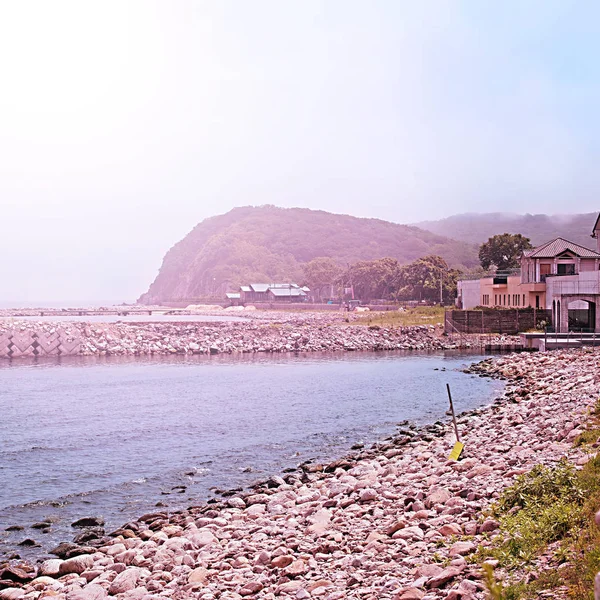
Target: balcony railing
(575,287)
(544,277)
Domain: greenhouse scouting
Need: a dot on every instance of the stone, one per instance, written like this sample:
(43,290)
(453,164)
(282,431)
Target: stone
(282,561)
(409,533)
(88,522)
(50,568)
(250,588)
(198,575)
(320,583)
(368,495)
(289,587)
(437,496)
(448,574)
(11,594)
(16,574)
(489,525)
(428,571)
(77,564)
(461,548)
(236,502)
(298,567)
(204,537)
(410,594)
(92,591)
(63,549)
(395,527)
(450,529)
(124,581)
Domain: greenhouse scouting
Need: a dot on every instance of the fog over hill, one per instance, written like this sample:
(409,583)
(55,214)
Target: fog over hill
(477,228)
(266,243)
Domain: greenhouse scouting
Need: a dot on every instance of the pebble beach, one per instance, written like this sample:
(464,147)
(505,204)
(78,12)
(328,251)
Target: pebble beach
(398,520)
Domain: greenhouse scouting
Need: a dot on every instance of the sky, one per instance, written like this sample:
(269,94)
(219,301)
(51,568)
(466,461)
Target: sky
(123,123)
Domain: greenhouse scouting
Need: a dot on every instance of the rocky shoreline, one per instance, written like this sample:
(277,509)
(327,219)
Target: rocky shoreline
(397,521)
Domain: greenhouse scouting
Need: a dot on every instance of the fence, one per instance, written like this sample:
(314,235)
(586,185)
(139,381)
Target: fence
(495,321)
(17,344)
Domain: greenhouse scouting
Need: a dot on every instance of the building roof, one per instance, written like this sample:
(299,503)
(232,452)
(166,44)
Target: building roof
(233,295)
(596,227)
(283,286)
(245,288)
(259,287)
(291,291)
(559,245)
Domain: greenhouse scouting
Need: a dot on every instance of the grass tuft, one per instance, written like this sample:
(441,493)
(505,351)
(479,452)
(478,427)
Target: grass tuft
(549,510)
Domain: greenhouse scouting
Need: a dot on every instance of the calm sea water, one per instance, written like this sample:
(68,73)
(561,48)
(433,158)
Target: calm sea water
(113,437)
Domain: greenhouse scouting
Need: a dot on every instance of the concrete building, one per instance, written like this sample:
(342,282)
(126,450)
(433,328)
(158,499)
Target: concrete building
(560,276)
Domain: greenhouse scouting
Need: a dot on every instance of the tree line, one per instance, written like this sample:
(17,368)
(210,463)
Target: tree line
(429,278)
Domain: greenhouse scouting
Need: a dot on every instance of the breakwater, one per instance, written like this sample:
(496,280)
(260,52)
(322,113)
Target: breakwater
(294,335)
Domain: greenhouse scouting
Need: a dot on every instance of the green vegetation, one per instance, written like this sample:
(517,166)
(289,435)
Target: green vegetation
(422,315)
(549,510)
(503,251)
(387,279)
(547,505)
(320,273)
(265,244)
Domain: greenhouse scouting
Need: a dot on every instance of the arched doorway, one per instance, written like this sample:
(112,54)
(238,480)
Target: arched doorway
(582,315)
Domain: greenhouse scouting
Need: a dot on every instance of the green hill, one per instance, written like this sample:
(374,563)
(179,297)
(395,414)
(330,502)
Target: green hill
(266,244)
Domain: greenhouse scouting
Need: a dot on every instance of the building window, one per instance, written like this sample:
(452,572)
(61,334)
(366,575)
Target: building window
(537,301)
(523,299)
(565,269)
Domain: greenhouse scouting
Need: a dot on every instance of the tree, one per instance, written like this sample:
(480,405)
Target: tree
(321,272)
(503,251)
(373,278)
(421,279)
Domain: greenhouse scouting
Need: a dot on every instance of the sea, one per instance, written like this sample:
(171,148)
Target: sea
(115,437)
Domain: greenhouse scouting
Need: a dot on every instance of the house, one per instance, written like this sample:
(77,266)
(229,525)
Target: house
(273,292)
(290,293)
(255,292)
(234,298)
(560,276)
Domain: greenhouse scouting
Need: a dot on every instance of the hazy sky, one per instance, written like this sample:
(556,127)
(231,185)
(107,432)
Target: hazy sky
(124,123)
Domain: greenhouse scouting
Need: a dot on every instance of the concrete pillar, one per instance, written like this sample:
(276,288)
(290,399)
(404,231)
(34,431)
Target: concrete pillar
(597,307)
(564,314)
